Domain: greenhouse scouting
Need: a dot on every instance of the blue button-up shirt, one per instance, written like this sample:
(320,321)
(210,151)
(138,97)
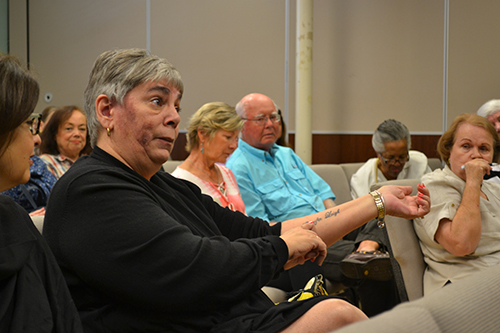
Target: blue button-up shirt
(277,185)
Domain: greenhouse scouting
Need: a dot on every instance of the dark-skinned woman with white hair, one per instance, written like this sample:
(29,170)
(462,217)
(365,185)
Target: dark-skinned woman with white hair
(368,267)
(391,142)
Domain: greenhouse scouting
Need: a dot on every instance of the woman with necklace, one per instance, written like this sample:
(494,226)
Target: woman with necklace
(213,136)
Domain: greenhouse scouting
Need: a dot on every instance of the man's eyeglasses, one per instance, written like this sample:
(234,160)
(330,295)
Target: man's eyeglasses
(394,160)
(260,120)
(34,123)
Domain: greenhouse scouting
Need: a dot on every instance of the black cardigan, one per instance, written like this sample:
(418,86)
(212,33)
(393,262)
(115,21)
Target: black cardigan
(158,255)
(33,294)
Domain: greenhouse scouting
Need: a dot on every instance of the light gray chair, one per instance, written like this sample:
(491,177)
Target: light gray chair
(170,165)
(350,169)
(38,222)
(434,163)
(335,176)
(468,305)
(403,245)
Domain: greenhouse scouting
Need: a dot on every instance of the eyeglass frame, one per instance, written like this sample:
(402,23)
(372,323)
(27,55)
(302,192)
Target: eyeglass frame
(394,160)
(34,123)
(264,119)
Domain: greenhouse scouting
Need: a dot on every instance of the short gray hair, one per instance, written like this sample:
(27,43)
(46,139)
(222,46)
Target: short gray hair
(489,108)
(390,130)
(117,72)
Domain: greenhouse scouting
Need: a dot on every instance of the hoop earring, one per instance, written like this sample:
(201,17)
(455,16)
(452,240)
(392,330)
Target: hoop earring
(108,131)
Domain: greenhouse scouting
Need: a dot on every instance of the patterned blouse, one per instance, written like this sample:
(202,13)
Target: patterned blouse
(226,194)
(34,194)
(57,164)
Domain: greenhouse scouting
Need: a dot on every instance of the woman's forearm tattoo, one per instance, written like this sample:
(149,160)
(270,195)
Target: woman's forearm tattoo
(328,214)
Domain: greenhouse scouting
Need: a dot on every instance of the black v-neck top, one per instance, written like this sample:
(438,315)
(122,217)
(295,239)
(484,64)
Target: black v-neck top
(157,255)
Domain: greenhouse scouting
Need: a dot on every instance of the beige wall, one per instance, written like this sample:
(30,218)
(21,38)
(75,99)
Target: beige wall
(474,65)
(223,49)
(375,60)
(372,60)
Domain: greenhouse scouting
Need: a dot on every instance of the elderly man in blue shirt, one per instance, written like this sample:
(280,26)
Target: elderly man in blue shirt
(274,182)
(276,185)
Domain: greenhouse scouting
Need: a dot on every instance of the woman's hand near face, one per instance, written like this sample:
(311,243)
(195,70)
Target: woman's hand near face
(475,170)
(303,244)
(461,235)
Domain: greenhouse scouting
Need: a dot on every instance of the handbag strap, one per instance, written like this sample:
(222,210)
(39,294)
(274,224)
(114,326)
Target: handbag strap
(28,196)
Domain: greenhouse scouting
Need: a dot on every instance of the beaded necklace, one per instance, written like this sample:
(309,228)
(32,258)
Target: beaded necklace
(220,185)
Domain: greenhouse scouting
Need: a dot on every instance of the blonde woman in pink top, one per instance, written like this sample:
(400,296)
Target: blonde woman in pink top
(213,136)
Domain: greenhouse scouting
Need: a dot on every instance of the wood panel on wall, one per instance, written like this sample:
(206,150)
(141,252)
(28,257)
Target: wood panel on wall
(336,148)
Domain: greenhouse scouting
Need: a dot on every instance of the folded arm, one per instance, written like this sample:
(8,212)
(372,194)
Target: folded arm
(461,235)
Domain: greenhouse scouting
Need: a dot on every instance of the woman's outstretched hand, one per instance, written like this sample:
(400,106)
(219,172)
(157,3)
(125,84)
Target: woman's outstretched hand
(398,201)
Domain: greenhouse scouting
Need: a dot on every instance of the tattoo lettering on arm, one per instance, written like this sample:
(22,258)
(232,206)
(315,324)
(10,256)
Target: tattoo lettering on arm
(315,222)
(330,213)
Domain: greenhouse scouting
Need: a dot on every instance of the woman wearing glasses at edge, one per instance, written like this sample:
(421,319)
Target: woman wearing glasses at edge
(33,294)
(34,194)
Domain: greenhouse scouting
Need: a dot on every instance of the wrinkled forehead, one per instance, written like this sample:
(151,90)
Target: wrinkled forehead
(396,148)
(494,117)
(261,108)
(471,131)
(160,86)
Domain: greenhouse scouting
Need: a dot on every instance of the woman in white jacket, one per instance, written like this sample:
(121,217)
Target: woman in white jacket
(391,141)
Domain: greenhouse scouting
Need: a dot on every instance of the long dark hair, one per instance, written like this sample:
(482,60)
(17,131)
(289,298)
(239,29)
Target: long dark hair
(48,136)
(18,97)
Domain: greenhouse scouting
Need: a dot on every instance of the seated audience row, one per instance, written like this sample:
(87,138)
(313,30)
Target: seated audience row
(206,132)
(133,139)
(176,244)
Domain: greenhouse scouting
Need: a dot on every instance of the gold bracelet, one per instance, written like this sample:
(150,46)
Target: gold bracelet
(379,202)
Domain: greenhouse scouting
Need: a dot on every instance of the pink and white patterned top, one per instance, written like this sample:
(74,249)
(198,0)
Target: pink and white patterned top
(227,195)
(57,164)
